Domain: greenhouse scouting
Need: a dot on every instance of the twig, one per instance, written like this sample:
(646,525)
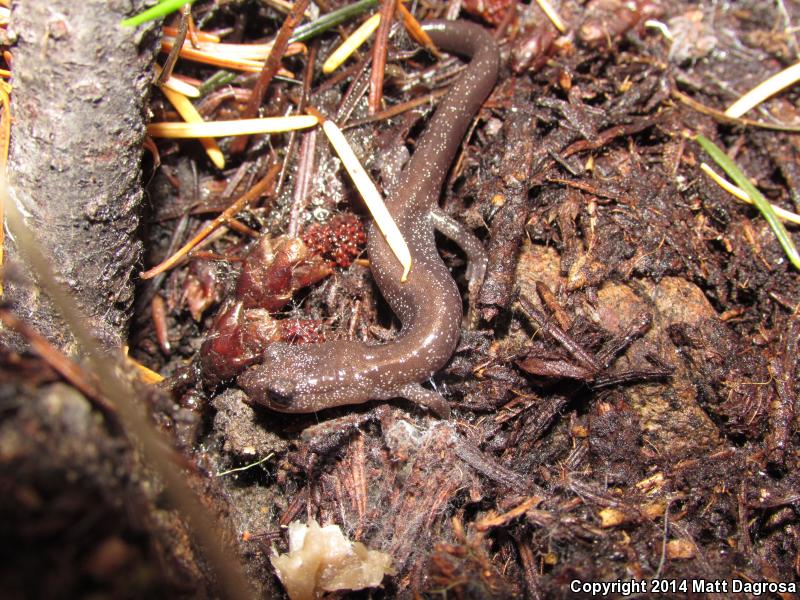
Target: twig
(562,337)
(398,109)
(270,68)
(781,410)
(379,56)
(180,36)
(663,558)
(5,139)
(354,92)
(305,167)
(532,586)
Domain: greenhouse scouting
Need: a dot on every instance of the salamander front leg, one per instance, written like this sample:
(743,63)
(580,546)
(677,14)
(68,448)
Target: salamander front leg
(428,398)
(477,259)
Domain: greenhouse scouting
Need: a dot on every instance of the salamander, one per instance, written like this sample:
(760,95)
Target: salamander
(308,378)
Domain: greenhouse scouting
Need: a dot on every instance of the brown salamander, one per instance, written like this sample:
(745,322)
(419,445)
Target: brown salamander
(312,377)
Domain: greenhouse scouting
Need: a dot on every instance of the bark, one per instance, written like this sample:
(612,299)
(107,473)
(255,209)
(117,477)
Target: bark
(79,90)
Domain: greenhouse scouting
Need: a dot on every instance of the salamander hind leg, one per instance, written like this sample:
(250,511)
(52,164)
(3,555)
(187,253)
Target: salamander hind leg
(425,397)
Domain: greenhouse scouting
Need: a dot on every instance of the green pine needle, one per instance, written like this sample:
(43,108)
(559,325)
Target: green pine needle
(162,9)
(761,203)
(331,19)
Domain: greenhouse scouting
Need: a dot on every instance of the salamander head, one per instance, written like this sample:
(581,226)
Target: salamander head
(300,379)
(279,394)
(273,382)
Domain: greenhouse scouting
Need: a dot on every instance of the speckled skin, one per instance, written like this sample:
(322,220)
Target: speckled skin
(313,377)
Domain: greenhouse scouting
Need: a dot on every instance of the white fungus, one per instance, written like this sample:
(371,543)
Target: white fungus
(322,559)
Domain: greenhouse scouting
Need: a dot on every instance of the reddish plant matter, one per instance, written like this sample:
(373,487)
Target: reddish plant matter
(492,11)
(271,273)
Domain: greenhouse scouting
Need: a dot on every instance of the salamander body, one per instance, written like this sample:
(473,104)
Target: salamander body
(312,377)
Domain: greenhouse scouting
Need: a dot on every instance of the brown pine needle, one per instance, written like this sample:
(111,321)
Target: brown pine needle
(256,53)
(722,117)
(209,58)
(398,109)
(416,31)
(251,195)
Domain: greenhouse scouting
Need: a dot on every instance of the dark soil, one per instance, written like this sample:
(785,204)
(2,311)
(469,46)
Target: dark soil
(626,407)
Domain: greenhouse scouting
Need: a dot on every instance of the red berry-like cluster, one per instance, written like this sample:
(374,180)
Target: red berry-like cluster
(339,241)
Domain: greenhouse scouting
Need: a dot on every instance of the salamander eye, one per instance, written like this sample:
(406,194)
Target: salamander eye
(281,393)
